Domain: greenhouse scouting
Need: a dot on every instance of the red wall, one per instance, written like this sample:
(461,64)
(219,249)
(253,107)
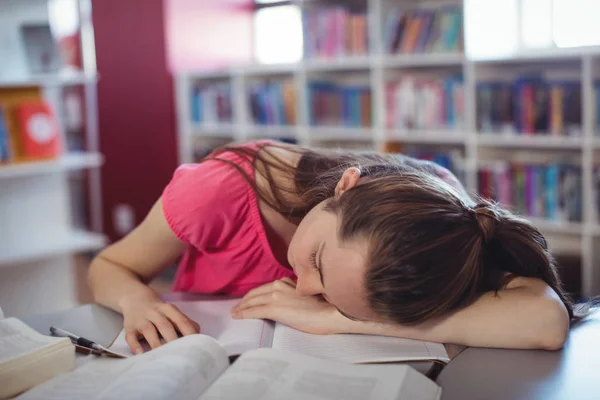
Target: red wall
(136,104)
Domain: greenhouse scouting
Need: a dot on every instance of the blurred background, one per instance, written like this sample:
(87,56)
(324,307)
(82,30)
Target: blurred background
(100,100)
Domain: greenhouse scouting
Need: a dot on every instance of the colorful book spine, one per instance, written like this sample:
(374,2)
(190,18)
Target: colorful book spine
(272,103)
(530,106)
(423,30)
(334,32)
(339,105)
(413,103)
(597,106)
(544,191)
(5,151)
(211,104)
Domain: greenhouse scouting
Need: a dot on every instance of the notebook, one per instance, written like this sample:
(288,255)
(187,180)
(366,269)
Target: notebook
(28,358)
(197,367)
(239,336)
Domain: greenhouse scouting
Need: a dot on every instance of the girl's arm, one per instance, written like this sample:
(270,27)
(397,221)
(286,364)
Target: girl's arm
(118,278)
(124,268)
(526,315)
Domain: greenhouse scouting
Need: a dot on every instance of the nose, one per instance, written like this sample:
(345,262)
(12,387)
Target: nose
(308,285)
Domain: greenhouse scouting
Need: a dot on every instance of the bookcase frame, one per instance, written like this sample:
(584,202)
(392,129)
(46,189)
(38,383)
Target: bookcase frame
(38,236)
(579,239)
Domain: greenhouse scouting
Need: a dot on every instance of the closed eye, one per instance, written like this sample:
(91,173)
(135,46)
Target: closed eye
(313,261)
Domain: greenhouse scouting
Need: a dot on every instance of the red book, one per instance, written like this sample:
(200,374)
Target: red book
(39,130)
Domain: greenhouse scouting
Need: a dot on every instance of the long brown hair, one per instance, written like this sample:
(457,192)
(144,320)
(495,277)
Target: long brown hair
(433,248)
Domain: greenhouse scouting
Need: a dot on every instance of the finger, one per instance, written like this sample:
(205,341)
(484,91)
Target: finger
(255,301)
(182,322)
(164,326)
(151,335)
(131,337)
(267,311)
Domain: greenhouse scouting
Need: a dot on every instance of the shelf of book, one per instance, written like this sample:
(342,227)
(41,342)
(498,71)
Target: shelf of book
(214,130)
(530,141)
(325,133)
(68,78)
(426,136)
(272,131)
(562,227)
(423,60)
(68,162)
(77,242)
(339,64)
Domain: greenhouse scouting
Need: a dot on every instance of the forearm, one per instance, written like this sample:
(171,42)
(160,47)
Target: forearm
(519,318)
(112,284)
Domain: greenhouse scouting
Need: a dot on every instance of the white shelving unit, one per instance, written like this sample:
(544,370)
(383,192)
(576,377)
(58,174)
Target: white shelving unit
(38,236)
(580,239)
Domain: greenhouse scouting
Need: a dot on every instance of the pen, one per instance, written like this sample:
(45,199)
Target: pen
(76,339)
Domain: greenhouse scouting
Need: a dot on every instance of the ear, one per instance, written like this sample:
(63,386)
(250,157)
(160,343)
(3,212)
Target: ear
(348,181)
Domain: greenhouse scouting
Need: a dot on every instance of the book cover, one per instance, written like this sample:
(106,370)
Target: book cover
(556,110)
(5,149)
(38,130)
(551,183)
(424,34)
(401,27)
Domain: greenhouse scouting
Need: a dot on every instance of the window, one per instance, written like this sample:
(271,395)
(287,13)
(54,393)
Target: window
(502,28)
(277,32)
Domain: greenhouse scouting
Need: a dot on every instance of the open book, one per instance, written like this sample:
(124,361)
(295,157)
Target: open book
(239,336)
(197,367)
(28,358)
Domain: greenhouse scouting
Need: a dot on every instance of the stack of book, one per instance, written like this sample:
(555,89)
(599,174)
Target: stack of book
(424,30)
(530,105)
(414,103)
(546,191)
(331,104)
(211,103)
(273,103)
(334,32)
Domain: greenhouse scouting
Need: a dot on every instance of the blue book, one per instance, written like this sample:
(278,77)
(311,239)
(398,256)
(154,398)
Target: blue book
(4,139)
(455,17)
(195,105)
(551,184)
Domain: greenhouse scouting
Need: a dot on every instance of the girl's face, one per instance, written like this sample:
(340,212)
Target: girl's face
(328,267)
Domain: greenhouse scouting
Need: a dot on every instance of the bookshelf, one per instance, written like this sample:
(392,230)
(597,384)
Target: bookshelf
(377,68)
(51,209)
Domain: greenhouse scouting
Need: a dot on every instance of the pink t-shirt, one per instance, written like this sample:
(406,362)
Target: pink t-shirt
(212,208)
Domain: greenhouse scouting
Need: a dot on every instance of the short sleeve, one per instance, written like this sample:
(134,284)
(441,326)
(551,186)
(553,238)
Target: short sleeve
(203,203)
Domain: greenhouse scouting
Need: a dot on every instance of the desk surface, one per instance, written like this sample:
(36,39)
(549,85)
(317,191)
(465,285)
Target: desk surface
(489,374)
(493,374)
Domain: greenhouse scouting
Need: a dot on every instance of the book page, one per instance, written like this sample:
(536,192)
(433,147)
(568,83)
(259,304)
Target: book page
(268,374)
(236,336)
(17,339)
(357,348)
(182,369)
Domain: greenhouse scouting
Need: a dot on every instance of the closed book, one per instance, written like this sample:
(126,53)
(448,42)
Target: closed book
(5,149)
(39,131)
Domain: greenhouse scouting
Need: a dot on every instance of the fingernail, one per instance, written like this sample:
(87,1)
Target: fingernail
(139,351)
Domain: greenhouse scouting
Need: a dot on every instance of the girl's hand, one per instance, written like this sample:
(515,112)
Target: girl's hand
(146,316)
(278,301)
